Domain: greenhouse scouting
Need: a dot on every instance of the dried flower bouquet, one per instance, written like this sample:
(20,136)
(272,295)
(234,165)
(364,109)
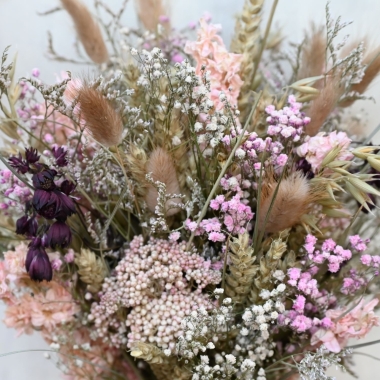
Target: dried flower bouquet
(192,211)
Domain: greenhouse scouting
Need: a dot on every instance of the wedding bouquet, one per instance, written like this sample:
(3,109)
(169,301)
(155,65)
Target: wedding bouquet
(189,210)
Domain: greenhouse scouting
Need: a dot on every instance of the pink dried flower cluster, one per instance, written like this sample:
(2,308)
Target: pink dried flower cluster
(236,216)
(250,151)
(316,148)
(355,324)
(287,122)
(223,67)
(358,243)
(353,282)
(330,251)
(16,192)
(153,279)
(303,281)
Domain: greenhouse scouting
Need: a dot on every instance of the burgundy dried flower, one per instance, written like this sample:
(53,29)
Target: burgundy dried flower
(44,180)
(303,166)
(40,267)
(34,247)
(31,155)
(53,204)
(26,226)
(67,187)
(60,156)
(37,262)
(59,234)
(19,164)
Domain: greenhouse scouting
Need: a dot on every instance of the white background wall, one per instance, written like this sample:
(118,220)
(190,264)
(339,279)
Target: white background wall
(26,31)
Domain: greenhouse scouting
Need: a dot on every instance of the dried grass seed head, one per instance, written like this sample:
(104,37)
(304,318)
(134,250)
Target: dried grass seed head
(100,118)
(161,165)
(294,199)
(88,30)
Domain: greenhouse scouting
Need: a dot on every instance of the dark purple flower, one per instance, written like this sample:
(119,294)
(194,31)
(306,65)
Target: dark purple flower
(40,267)
(66,206)
(19,164)
(60,156)
(53,204)
(25,226)
(59,234)
(34,247)
(44,180)
(45,203)
(303,166)
(31,155)
(67,187)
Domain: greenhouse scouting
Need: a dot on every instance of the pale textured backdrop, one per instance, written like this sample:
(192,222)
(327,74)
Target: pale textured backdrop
(21,27)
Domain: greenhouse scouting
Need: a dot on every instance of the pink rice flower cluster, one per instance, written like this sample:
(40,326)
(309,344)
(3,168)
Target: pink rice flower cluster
(355,324)
(16,193)
(334,254)
(287,122)
(316,148)
(223,67)
(155,280)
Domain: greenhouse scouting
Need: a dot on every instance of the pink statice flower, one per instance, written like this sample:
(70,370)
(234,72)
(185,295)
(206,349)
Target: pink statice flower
(222,66)
(316,148)
(355,324)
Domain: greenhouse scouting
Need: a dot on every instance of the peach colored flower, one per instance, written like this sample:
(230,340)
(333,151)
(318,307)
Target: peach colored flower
(4,289)
(14,261)
(316,148)
(52,308)
(18,315)
(96,356)
(223,67)
(356,324)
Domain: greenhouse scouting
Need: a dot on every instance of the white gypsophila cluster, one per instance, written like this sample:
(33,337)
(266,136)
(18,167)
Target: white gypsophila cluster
(202,329)
(314,365)
(254,341)
(197,197)
(260,317)
(226,366)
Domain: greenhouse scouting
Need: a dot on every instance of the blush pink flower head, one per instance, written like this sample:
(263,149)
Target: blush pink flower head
(355,324)
(223,67)
(316,148)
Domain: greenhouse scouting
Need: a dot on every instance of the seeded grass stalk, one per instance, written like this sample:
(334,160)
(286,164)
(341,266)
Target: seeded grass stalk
(262,232)
(224,169)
